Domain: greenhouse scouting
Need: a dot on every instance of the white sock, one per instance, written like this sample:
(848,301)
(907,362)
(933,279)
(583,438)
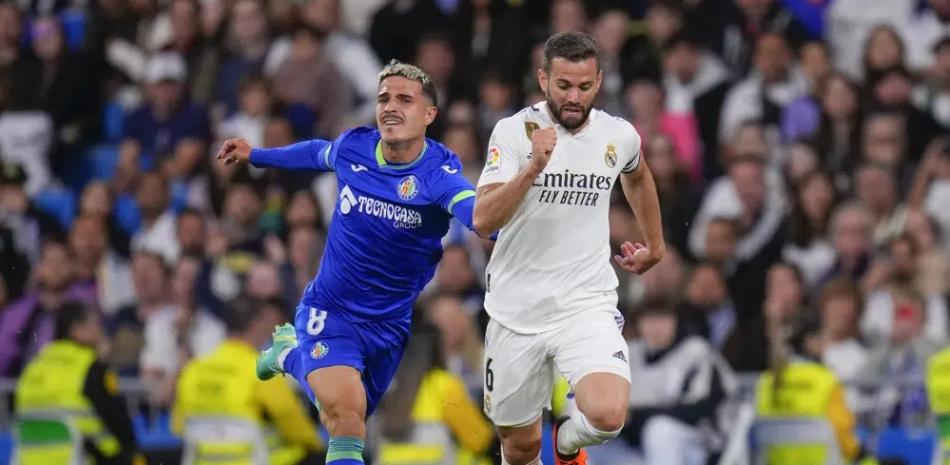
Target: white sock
(283,356)
(577,432)
(536,461)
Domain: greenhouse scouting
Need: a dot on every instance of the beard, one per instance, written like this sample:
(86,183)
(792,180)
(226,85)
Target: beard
(572,122)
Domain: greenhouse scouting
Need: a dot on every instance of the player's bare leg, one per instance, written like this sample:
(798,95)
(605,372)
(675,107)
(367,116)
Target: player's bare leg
(521,445)
(601,411)
(342,399)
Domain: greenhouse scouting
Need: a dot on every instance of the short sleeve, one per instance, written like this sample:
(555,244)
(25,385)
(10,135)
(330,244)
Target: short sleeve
(501,161)
(632,152)
(451,187)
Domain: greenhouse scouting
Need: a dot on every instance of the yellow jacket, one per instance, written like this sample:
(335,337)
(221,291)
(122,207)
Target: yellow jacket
(444,416)
(224,383)
(938,391)
(808,389)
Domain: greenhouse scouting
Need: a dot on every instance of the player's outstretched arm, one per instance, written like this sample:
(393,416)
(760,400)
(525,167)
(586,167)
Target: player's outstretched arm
(308,155)
(495,204)
(640,191)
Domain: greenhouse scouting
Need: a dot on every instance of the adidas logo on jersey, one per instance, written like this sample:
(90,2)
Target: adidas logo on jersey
(619,355)
(402,217)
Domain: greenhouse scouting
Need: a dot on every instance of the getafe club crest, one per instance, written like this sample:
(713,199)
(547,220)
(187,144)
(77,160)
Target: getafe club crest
(611,156)
(529,128)
(408,188)
(319,350)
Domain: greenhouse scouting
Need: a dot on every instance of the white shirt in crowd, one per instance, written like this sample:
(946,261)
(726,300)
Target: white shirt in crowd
(25,140)
(160,238)
(161,351)
(552,260)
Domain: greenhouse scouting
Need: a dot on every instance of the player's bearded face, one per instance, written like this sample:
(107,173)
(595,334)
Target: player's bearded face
(570,89)
(402,110)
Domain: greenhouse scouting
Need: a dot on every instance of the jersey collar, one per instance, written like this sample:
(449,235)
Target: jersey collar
(381,161)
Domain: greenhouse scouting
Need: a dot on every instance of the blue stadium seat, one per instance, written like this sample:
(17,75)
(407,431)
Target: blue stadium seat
(302,119)
(6,447)
(157,435)
(102,160)
(912,445)
(74,28)
(113,118)
(58,202)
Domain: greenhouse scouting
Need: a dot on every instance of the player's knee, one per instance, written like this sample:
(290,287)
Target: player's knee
(344,422)
(607,417)
(521,450)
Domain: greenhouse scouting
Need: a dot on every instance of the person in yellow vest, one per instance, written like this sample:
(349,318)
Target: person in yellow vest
(67,377)
(428,417)
(938,391)
(798,386)
(224,383)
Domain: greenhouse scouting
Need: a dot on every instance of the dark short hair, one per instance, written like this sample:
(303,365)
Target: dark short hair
(242,313)
(412,73)
(573,46)
(68,316)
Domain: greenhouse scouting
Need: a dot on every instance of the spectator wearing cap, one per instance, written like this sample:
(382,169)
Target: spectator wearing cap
(27,324)
(168,117)
(20,215)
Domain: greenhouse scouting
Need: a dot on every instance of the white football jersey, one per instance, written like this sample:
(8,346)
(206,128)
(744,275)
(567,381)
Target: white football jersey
(552,260)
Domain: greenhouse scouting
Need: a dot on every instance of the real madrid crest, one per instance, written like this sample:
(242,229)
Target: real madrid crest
(610,158)
(529,128)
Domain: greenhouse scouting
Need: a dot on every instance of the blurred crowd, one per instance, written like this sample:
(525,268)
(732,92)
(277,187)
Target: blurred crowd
(800,150)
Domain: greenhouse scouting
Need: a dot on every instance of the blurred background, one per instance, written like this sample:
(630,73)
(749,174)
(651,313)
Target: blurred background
(800,149)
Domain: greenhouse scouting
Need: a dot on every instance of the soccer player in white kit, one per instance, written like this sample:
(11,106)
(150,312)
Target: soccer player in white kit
(551,291)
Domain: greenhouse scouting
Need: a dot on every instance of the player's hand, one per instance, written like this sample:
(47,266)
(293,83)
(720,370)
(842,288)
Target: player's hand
(542,145)
(234,151)
(636,258)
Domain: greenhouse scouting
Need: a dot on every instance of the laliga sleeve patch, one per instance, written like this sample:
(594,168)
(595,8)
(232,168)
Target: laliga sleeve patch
(493,161)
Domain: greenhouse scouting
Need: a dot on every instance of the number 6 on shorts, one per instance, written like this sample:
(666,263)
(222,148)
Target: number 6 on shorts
(316,321)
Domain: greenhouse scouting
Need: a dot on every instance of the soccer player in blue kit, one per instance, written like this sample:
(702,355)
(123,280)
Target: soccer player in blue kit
(398,191)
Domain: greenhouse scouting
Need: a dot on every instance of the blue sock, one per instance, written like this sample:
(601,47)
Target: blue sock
(345,450)
(293,366)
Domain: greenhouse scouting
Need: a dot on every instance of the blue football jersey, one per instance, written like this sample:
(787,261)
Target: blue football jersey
(385,236)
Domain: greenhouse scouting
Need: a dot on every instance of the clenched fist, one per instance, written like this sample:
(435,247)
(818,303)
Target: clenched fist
(542,145)
(234,151)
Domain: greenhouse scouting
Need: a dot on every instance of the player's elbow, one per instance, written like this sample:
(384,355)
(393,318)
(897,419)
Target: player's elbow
(481,223)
